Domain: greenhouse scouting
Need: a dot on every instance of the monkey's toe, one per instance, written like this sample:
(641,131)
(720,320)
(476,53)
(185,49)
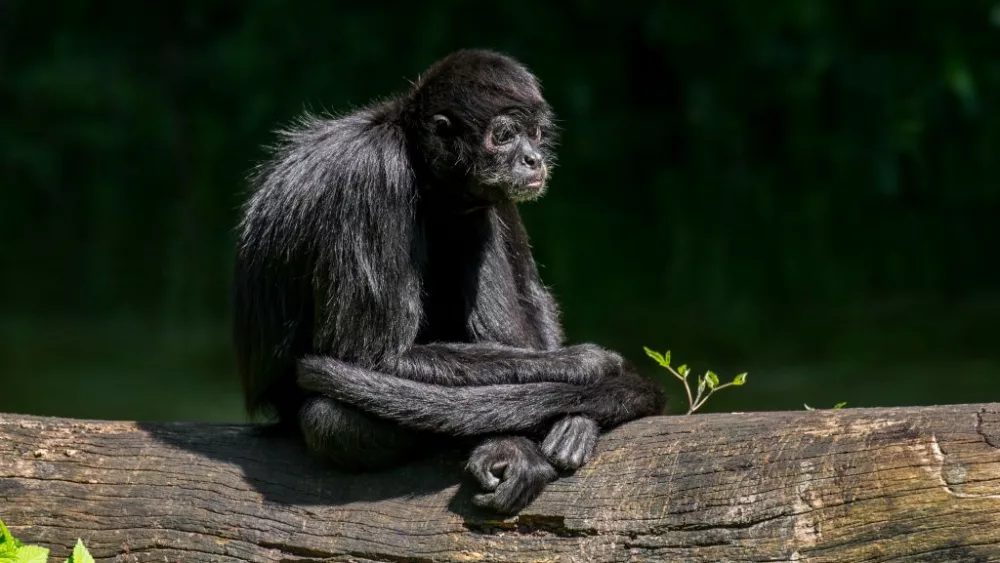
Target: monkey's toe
(570,444)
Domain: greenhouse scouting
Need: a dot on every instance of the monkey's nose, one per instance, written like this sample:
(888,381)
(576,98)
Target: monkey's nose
(531,159)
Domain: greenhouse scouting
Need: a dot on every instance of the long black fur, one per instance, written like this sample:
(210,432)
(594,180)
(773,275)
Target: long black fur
(386,296)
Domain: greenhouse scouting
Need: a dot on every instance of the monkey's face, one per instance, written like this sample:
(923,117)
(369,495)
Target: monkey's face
(507,159)
(513,158)
(483,129)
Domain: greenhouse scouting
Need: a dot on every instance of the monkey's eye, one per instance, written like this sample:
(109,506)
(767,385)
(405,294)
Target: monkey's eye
(502,135)
(441,124)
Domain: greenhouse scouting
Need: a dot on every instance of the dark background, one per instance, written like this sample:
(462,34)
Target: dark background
(805,190)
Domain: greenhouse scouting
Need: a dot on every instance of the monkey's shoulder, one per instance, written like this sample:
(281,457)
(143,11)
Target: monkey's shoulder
(337,157)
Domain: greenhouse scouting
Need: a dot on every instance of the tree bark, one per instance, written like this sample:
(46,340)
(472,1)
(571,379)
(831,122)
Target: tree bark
(856,485)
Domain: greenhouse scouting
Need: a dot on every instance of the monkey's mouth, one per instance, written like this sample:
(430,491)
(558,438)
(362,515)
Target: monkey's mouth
(536,181)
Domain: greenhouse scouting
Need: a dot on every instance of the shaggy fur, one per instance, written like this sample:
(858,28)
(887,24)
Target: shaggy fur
(386,298)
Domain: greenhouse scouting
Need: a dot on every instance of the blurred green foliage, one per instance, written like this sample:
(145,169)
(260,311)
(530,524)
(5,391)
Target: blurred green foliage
(804,189)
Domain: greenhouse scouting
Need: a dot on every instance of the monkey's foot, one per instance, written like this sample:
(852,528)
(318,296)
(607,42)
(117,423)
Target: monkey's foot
(570,443)
(513,469)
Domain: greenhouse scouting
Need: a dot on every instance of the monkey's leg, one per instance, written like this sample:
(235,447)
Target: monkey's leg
(512,470)
(354,440)
(479,409)
(487,363)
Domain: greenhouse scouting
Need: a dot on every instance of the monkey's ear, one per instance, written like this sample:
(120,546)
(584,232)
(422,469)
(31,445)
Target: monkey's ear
(442,125)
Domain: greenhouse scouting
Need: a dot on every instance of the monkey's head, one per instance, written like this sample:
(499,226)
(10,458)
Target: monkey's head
(481,128)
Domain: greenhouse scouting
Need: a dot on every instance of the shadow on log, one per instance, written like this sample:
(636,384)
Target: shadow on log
(902,485)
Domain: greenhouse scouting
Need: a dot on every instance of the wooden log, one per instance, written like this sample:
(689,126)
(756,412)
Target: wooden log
(857,485)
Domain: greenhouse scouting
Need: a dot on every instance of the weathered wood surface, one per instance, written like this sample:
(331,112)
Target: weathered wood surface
(865,485)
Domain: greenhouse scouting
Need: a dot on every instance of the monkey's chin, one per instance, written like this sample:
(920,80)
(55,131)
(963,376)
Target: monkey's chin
(527,192)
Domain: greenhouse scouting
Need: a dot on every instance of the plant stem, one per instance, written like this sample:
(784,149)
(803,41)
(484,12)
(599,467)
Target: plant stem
(686,386)
(698,405)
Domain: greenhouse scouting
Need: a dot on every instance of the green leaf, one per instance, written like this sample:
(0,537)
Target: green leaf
(32,554)
(666,359)
(701,385)
(683,370)
(5,535)
(740,379)
(711,379)
(808,408)
(665,362)
(840,405)
(8,545)
(80,554)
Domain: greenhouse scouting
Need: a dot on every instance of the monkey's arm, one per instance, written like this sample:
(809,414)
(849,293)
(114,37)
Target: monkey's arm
(483,363)
(570,442)
(482,409)
(540,305)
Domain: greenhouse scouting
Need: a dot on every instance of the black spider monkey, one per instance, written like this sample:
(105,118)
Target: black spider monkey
(386,297)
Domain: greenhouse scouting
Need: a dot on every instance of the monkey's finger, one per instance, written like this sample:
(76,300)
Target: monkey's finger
(481,472)
(586,441)
(525,497)
(575,445)
(501,469)
(583,449)
(550,445)
(515,494)
(484,500)
(562,458)
(526,492)
(496,503)
(500,500)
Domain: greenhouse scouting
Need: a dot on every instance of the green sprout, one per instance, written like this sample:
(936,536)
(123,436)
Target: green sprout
(707,384)
(13,551)
(839,405)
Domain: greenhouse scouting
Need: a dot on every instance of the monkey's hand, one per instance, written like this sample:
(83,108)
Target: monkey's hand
(512,469)
(570,443)
(597,362)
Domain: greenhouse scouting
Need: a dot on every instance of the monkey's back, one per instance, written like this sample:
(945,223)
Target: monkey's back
(324,258)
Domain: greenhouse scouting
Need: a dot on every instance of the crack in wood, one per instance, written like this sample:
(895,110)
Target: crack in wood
(297,550)
(529,525)
(989,439)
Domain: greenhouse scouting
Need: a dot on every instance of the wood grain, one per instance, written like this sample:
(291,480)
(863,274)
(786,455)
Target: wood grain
(856,485)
